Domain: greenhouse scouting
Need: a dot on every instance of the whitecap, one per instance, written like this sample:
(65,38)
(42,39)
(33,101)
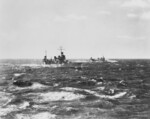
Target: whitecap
(95,93)
(100,88)
(111,60)
(18,74)
(41,65)
(31,65)
(70,89)
(114,96)
(42,115)
(107,96)
(94,80)
(24,105)
(55,96)
(132,96)
(99,83)
(5,111)
(54,65)
(11,108)
(78,89)
(37,86)
(5,98)
(56,84)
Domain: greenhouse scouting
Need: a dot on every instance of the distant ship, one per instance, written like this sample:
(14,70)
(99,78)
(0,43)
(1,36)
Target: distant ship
(60,59)
(102,59)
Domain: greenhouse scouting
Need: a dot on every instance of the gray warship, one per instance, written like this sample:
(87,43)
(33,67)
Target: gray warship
(60,59)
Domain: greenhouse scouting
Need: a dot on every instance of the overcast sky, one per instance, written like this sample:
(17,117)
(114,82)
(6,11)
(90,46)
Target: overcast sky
(84,28)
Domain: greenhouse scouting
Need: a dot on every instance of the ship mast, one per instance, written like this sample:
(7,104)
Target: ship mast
(45,53)
(61,49)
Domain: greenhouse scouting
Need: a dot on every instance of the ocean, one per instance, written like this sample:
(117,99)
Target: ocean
(106,90)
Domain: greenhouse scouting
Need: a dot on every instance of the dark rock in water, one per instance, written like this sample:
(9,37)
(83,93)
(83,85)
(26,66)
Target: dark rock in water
(22,83)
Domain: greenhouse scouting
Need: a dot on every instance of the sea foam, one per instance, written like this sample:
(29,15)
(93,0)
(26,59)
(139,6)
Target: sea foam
(56,96)
(41,65)
(42,115)
(18,74)
(95,93)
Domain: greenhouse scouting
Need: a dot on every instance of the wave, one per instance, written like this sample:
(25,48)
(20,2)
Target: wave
(118,95)
(40,65)
(8,108)
(42,115)
(5,98)
(34,86)
(18,74)
(55,96)
(5,111)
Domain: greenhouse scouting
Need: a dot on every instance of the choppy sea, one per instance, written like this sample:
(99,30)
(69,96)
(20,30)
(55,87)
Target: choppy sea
(108,90)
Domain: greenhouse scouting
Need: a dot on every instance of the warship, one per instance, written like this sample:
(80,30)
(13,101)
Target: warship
(102,59)
(60,59)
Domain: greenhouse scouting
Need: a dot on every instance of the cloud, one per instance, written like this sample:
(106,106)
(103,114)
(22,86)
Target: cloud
(75,17)
(130,38)
(142,16)
(104,12)
(146,15)
(60,19)
(71,17)
(136,4)
(133,15)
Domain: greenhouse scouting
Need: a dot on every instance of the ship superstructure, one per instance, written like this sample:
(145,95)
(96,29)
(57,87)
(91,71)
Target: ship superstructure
(60,59)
